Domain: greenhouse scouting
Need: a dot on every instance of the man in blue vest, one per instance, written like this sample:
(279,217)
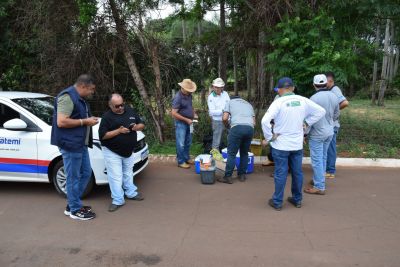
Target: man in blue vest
(72,133)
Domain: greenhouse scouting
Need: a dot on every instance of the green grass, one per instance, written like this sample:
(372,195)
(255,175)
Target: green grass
(168,148)
(370,131)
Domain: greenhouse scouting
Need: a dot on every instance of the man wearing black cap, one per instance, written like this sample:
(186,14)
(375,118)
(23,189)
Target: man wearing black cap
(289,112)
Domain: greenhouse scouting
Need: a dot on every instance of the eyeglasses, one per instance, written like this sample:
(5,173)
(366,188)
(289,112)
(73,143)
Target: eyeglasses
(119,106)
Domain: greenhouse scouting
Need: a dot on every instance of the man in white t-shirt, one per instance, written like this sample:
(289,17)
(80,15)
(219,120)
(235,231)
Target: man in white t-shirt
(216,102)
(289,113)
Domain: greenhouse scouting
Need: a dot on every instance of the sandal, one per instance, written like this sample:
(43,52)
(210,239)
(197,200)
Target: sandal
(314,191)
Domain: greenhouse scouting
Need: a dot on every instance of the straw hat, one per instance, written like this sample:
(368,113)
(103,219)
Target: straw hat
(188,85)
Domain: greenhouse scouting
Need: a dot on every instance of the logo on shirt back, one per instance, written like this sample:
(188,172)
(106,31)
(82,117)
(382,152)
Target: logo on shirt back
(293,104)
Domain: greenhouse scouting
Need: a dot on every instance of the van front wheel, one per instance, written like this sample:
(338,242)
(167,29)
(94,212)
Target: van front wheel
(59,179)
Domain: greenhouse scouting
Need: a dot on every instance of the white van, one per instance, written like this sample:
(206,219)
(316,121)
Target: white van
(26,154)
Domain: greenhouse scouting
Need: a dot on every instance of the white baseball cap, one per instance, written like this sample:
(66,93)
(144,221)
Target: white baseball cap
(218,82)
(320,79)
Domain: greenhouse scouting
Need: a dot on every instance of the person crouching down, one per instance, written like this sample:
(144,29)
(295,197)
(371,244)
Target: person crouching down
(118,136)
(242,122)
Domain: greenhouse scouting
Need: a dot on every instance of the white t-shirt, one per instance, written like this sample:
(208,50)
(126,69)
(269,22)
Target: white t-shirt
(289,112)
(216,104)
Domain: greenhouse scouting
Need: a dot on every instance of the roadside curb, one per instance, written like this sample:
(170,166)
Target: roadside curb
(345,162)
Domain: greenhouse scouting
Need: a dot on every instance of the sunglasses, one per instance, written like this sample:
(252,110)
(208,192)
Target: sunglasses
(119,106)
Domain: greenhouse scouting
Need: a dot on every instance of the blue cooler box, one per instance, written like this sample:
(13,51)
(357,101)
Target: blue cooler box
(197,161)
(250,164)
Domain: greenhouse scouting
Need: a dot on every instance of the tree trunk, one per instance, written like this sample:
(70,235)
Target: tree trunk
(222,55)
(151,47)
(122,34)
(391,58)
(351,90)
(271,86)
(235,85)
(375,68)
(261,66)
(396,61)
(201,63)
(254,78)
(158,90)
(383,84)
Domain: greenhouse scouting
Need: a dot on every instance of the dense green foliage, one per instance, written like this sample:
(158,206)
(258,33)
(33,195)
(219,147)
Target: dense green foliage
(303,48)
(45,45)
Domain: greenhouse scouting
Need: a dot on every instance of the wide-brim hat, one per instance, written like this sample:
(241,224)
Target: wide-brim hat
(188,85)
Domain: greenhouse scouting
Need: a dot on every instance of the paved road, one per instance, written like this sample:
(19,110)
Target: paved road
(184,223)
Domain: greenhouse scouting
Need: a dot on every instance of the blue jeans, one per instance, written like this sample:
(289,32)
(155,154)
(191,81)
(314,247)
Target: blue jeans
(239,137)
(183,141)
(78,171)
(318,153)
(282,160)
(120,176)
(331,158)
(217,128)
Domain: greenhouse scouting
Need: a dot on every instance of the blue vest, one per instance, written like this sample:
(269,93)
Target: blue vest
(71,139)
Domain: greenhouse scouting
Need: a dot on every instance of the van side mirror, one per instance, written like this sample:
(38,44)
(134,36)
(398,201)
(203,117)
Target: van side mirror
(15,125)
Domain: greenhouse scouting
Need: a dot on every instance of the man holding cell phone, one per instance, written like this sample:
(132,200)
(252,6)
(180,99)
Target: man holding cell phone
(184,115)
(117,133)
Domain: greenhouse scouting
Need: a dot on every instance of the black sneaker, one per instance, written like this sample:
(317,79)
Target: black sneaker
(114,207)
(242,177)
(138,197)
(67,210)
(294,203)
(82,215)
(271,203)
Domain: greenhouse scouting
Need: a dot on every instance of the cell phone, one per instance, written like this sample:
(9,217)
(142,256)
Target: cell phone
(131,125)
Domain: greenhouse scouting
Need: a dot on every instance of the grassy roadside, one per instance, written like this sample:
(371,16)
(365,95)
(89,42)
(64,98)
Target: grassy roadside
(366,132)
(370,132)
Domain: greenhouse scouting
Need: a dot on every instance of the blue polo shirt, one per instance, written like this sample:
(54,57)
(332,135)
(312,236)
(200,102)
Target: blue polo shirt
(183,103)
